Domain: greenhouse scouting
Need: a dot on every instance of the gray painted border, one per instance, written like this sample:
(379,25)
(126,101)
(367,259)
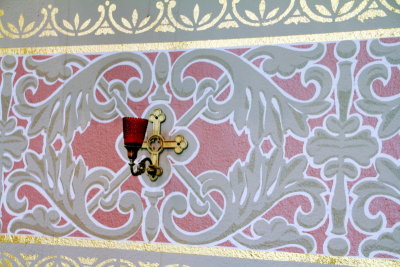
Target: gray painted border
(65,23)
(58,254)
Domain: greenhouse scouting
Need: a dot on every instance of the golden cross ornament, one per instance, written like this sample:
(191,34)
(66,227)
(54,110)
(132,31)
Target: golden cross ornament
(156,143)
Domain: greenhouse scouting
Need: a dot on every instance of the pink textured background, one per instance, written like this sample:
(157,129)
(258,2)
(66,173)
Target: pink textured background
(220,146)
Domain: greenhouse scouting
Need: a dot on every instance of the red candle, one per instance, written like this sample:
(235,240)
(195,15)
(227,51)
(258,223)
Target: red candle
(134,130)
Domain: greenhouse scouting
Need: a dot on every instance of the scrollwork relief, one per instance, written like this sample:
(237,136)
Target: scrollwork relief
(58,103)
(386,184)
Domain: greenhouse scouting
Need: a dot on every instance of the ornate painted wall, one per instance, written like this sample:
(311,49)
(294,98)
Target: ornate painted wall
(292,147)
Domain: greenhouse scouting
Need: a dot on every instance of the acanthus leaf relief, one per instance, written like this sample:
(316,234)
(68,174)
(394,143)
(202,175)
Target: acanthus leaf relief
(289,148)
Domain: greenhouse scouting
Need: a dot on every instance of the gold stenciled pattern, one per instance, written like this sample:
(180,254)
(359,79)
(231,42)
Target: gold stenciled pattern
(35,260)
(230,14)
(20,258)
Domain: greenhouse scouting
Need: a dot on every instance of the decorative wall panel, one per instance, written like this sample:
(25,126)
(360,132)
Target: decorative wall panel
(291,148)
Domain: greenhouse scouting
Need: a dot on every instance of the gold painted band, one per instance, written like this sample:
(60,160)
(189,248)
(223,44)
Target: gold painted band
(291,39)
(197,250)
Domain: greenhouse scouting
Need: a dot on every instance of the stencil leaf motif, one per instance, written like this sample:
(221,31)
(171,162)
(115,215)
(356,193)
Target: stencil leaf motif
(387,185)
(251,15)
(346,7)
(274,233)
(386,242)
(272,13)
(360,148)
(74,103)
(135,17)
(323,10)
(144,21)
(246,192)
(186,20)
(126,23)
(261,8)
(65,181)
(254,99)
(12,28)
(13,143)
(388,108)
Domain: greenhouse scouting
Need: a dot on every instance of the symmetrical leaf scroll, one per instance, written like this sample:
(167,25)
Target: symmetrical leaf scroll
(303,127)
(254,99)
(250,190)
(387,184)
(66,183)
(389,109)
(74,104)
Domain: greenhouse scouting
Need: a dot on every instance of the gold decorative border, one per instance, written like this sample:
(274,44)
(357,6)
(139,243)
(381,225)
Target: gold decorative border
(196,18)
(195,250)
(325,37)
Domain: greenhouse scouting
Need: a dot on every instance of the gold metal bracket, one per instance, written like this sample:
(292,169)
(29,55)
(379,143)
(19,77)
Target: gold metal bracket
(156,143)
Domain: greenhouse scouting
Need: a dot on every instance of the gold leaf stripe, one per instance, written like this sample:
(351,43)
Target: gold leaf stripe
(196,250)
(324,37)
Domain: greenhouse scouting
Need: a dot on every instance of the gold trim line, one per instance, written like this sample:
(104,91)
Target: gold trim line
(290,39)
(197,250)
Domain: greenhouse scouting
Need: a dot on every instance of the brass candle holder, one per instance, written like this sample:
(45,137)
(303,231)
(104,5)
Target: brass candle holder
(134,133)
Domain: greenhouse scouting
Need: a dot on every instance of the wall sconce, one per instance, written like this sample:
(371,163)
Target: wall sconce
(134,133)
